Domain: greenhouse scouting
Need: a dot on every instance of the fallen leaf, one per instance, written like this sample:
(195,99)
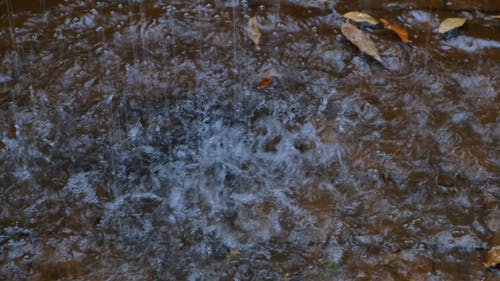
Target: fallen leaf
(253,31)
(361,17)
(450,24)
(267,80)
(399,30)
(360,40)
(493,257)
(235,253)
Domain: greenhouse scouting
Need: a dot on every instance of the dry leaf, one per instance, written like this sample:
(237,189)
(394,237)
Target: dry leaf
(493,257)
(361,17)
(253,31)
(399,30)
(267,80)
(360,40)
(450,24)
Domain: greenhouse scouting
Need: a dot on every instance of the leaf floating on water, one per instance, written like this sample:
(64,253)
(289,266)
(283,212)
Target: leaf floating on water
(235,253)
(267,80)
(360,40)
(399,30)
(450,24)
(253,31)
(361,17)
(493,257)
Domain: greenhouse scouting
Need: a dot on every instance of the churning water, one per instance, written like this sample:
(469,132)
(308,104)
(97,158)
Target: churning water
(136,143)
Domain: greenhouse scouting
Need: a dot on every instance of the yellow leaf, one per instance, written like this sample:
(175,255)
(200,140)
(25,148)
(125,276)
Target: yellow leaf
(253,31)
(361,17)
(493,257)
(450,24)
(360,40)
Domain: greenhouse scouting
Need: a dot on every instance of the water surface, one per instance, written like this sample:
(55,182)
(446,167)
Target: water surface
(136,143)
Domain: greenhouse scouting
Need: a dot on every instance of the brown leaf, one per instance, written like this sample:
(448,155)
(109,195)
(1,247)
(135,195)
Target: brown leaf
(450,24)
(399,30)
(253,31)
(360,40)
(493,257)
(267,80)
(361,17)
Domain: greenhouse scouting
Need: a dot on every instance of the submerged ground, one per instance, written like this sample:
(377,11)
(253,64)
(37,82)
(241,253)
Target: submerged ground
(136,143)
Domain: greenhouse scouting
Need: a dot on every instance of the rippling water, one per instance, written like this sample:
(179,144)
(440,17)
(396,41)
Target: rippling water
(136,143)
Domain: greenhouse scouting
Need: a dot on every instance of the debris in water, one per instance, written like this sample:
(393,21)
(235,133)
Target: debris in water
(360,40)
(267,80)
(399,30)
(361,17)
(493,257)
(331,269)
(235,253)
(253,31)
(450,24)
(234,256)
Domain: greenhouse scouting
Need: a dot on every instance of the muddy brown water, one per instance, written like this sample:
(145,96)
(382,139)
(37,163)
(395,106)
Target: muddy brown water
(136,144)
